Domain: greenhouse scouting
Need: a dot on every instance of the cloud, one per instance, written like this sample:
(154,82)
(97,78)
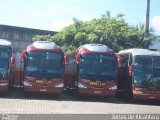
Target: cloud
(55,25)
(51,17)
(52,11)
(37,14)
(7,21)
(155,24)
(2,18)
(61,11)
(60,24)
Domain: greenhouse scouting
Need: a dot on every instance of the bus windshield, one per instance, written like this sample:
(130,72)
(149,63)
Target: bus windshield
(98,67)
(5,53)
(46,64)
(155,81)
(146,71)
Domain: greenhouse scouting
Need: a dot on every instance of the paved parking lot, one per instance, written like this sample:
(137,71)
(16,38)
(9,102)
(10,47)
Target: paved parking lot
(16,102)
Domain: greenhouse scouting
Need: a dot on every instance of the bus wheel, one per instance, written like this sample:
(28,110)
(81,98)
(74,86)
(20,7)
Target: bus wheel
(120,94)
(76,92)
(129,98)
(106,97)
(75,89)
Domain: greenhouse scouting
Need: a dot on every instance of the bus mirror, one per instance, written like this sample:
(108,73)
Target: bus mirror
(22,60)
(66,59)
(130,70)
(119,60)
(77,58)
(12,61)
(23,55)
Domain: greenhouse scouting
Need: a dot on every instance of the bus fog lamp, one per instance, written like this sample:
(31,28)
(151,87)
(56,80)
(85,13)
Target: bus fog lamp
(3,84)
(27,84)
(81,86)
(113,87)
(59,85)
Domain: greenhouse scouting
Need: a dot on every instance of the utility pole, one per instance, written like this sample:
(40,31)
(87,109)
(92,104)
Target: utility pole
(146,29)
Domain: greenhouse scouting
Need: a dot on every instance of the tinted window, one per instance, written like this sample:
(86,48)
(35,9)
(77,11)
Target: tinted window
(44,63)
(98,66)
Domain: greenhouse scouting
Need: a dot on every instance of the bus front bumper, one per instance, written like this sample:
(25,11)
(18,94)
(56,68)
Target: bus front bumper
(4,89)
(146,96)
(43,90)
(96,92)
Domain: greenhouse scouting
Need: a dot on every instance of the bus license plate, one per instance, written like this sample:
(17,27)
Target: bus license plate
(39,81)
(152,97)
(97,84)
(97,92)
(94,83)
(43,90)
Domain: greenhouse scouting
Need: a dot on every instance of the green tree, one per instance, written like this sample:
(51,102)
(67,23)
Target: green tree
(42,38)
(111,31)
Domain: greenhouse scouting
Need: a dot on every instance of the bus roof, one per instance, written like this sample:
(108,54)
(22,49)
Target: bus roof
(138,51)
(95,47)
(4,42)
(45,45)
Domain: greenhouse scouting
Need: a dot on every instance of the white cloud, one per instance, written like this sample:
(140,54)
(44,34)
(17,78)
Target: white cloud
(44,26)
(156,24)
(59,9)
(59,24)
(36,14)
(8,21)
(2,18)
(55,25)
(53,17)
(53,11)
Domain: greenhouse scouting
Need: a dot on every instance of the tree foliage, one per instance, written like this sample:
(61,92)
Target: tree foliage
(42,38)
(111,31)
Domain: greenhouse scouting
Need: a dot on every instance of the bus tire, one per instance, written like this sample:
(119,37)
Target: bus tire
(76,92)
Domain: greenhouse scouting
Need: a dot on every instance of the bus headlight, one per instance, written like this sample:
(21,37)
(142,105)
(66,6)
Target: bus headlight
(113,87)
(137,92)
(3,84)
(26,84)
(81,86)
(59,85)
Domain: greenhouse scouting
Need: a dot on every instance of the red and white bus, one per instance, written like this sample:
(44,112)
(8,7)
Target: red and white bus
(96,70)
(5,65)
(42,68)
(139,74)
